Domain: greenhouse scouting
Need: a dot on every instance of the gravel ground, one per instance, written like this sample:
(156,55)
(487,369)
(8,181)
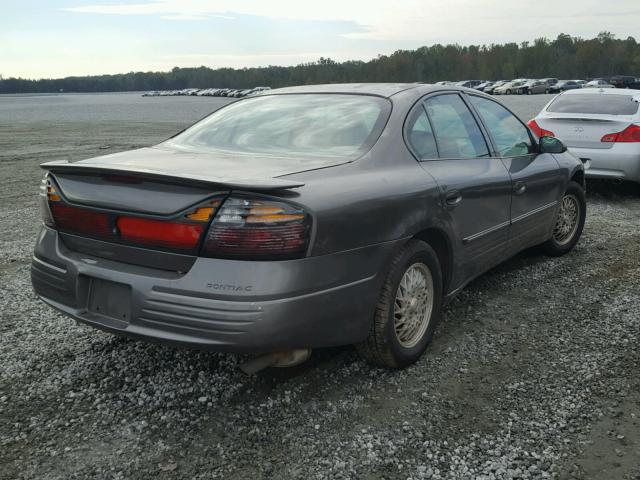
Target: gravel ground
(533,372)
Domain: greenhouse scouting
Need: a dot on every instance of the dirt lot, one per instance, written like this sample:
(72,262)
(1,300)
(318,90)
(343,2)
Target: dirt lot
(532,374)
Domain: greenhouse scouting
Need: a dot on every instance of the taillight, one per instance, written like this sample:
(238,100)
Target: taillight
(258,229)
(46,195)
(181,234)
(631,134)
(159,233)
(540,132)
(81,220)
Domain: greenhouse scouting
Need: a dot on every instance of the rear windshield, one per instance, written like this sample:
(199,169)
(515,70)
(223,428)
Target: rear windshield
(595,104)
(317,125)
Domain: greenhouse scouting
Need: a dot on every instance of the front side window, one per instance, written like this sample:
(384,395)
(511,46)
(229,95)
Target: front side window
(298,125)
(420,136)
(455,129)
(510,135)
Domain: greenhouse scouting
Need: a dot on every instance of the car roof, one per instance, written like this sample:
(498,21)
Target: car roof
(379,89)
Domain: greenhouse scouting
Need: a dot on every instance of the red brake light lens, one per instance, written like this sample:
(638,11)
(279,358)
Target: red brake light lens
(256,229)
(159,233)
(631,134)
(540,132)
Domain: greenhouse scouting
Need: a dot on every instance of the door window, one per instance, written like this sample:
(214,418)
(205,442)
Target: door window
(511,136)
(455,129)
(420,136)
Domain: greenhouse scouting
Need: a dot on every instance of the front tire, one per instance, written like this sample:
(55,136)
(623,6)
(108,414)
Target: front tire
(408,308)
(569,222)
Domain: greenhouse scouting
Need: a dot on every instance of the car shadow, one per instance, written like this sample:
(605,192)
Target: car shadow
(609,190)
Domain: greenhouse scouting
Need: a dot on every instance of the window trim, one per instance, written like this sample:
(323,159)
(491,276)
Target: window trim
(420,103)
(494,145)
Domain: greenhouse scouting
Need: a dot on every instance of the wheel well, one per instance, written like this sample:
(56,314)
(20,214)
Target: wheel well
(578,177)
(439,241)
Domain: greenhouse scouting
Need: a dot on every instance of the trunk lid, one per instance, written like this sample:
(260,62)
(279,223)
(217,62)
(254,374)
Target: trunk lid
(583,130)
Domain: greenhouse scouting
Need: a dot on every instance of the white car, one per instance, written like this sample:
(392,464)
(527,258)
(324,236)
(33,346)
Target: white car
(599,126)
(598,84)
(515,87)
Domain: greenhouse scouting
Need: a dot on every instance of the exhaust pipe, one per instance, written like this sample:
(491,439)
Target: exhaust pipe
(289,358)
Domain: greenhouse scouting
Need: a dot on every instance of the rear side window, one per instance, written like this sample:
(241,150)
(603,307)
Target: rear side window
(510,135)
(455,129)
(595,104)
(420,136)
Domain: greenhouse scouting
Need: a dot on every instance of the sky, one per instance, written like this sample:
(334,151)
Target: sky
(58,38)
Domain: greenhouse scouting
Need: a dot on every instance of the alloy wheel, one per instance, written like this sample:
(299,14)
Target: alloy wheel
(567,221)
(413,305)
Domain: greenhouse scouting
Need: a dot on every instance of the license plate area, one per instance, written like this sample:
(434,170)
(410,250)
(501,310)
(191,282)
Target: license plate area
(110,299)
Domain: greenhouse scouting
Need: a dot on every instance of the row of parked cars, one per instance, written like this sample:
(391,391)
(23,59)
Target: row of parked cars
(207,92)
(527,86)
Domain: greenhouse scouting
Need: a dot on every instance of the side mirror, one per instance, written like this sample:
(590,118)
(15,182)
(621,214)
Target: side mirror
(551,145)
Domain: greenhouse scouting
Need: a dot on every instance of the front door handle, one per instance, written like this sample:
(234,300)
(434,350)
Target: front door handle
(453,198)
(519,188)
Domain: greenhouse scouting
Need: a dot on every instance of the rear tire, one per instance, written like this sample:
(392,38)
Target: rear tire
(569,222)
(408,308)
(508,92)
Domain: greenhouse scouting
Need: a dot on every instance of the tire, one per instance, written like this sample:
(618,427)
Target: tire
(529,92)
(388,344)
(508,92)
(547,91)
(565,236)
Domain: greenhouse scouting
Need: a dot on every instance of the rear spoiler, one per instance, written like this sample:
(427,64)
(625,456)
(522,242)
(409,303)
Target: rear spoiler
(84,167)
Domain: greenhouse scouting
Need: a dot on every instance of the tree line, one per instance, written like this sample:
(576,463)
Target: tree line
(565,57)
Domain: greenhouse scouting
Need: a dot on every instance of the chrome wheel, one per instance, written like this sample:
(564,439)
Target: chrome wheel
(413,305)
(568,220)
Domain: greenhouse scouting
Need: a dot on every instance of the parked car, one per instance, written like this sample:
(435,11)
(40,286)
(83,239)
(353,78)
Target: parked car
(305,217)
(490,89)
(550,81)
(468,83)
(625,81)
(600,126)
(533,87)
(598,83)
(480,87)
(509,88)
(563,86)
(582,83)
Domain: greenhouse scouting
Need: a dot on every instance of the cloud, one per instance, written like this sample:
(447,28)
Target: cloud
(421,21)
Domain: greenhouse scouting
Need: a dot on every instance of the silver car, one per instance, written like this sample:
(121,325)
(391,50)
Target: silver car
(600,83)
(515,87)
(602,127)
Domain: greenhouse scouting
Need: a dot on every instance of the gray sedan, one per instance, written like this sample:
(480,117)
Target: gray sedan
(303,218)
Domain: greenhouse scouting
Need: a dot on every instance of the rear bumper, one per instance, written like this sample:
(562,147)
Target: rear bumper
(622,161)
(221,305)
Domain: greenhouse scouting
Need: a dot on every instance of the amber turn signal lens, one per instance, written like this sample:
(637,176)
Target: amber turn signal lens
(52,194)
(203,214)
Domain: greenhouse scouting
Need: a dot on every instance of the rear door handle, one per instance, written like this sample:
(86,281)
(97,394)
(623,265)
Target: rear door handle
(453,198)
(519,188)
